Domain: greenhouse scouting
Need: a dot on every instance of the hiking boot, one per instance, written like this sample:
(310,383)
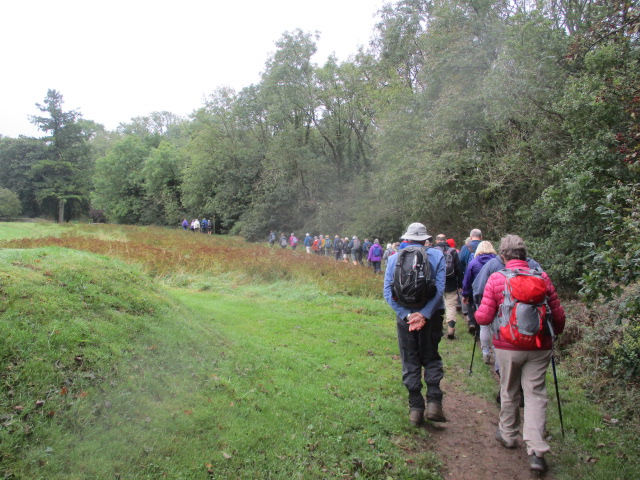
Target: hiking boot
(434,412)
(416,417)
(537,464)
(451,333)
(486,358)
(503,442)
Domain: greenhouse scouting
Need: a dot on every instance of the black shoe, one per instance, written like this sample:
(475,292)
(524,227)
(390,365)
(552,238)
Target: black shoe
(537,464)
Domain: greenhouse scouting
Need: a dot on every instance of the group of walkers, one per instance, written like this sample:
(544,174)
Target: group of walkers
(506,295)
(342,249)
(202,226)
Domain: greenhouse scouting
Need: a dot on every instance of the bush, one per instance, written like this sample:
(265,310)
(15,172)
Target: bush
(10,206)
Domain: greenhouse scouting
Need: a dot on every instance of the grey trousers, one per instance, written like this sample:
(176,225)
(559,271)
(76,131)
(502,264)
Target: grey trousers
(420,359)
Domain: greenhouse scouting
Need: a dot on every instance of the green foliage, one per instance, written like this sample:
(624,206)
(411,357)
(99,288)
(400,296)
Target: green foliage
(119,183)
(63,174)
(10,206)
(17,157)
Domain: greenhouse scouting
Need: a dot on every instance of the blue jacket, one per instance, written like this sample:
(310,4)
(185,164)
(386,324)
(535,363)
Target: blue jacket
(465,253)
(308,241)
(436,259)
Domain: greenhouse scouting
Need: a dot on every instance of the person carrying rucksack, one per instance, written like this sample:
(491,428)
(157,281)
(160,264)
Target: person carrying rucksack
(337,247)
(484,254)
(452,284)
(346,249)
(355,250)
(327,246)
(392,249)
(308,242)
(374,257)
(413,287)
(524,304)
(366,246)
(466,254)
(283,241)
(272,238)
(293,241)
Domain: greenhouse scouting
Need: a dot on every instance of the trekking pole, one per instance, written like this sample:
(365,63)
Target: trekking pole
(475,340)
(555,380)
(555,375)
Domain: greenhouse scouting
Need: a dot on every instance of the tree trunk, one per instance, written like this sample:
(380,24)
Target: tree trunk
(61,203)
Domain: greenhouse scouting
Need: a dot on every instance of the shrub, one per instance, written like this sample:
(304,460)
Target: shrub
(10,206)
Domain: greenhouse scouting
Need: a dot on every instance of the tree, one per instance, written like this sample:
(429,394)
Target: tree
(62,175)
(162,173)
(119,182)
(10,205)
(17,158)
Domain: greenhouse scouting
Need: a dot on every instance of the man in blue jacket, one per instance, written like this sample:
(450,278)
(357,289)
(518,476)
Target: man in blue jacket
(419,334)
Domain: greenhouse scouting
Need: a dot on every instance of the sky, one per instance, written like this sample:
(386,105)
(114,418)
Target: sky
(118,59)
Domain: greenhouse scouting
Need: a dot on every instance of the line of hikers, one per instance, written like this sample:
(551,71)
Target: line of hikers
(506,294)
(345,249)
(202,226)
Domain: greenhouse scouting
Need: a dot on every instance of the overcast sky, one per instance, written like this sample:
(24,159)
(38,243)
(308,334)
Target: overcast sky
(119,59)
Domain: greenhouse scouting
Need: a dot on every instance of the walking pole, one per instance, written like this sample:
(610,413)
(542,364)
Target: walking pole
(555,375)
(475,340)
(555,380)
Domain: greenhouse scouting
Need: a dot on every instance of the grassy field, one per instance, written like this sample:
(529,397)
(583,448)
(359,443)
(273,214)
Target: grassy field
(142,353)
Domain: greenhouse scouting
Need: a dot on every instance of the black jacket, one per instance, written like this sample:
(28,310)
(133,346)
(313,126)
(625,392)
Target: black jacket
(454,281)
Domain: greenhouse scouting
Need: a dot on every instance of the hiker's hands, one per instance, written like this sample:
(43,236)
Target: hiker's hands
(465,300)
(416,321)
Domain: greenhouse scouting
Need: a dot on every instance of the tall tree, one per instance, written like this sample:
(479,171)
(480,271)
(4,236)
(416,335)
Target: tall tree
(119,181)
(62,175)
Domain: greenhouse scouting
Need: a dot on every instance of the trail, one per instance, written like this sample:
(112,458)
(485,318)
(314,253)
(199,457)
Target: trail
(466,443)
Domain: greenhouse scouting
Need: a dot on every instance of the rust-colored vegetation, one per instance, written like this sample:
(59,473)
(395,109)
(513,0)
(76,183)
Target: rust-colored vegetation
(164,252)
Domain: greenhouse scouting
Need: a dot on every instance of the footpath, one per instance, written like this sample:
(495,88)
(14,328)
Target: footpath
(466,444)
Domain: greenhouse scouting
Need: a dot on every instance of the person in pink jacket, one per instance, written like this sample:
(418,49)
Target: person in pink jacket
(521,366)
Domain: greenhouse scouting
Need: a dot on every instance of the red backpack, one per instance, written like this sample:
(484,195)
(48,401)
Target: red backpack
(522,317)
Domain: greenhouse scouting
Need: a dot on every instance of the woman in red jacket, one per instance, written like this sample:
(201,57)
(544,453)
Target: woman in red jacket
(526,366)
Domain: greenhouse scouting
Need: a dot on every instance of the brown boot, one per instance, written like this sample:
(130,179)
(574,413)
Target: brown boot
(434,412)
(416,417)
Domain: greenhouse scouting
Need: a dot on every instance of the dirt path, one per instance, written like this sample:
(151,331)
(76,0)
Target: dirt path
(466,443)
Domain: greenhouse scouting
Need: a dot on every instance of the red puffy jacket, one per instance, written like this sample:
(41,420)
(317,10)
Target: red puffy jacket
(494,296)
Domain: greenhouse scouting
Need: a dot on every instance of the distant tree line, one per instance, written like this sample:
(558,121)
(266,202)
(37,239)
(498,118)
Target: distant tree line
(510,116)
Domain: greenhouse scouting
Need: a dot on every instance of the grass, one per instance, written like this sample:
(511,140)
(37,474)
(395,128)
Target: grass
(143,353)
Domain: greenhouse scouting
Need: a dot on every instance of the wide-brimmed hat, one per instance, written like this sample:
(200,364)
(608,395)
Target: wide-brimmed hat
(416,231)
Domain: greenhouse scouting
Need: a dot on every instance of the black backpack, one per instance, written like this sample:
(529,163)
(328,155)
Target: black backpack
(413,281)
(448,258)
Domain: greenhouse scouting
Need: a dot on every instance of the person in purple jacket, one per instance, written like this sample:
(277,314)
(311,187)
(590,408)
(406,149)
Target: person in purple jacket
(484,253)
(375,256)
